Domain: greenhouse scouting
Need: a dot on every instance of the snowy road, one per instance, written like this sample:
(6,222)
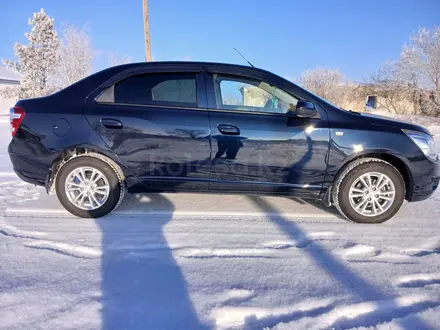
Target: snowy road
(213,261)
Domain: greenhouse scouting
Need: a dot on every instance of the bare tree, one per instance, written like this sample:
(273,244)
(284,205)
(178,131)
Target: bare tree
(390,85)
(424,52)
(412,84)
(75,56)
(330,84)
(422,59)
(114,60)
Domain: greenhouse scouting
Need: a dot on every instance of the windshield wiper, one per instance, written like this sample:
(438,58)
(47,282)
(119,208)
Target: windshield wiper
(349,110)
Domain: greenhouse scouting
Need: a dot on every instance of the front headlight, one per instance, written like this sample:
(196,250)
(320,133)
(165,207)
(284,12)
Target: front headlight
(425,142)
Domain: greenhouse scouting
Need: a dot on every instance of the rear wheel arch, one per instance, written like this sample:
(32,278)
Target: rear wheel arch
(73,153)
(88,185)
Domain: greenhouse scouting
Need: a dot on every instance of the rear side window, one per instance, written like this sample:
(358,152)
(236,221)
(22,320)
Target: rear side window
(176,89)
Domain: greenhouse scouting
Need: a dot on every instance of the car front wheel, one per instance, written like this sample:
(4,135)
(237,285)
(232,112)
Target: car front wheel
(88,187)
(369,190)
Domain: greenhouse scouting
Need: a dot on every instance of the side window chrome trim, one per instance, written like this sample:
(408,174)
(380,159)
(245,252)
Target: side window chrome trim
(273,114)
(152,106)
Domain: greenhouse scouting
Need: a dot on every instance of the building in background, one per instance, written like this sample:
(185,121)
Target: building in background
(8,78)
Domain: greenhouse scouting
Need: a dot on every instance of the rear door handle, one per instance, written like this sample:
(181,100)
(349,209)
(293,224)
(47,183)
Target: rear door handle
(228,129)
(111,123)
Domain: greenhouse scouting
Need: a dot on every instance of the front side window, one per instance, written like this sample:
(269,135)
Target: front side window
(251,95)
(163,89)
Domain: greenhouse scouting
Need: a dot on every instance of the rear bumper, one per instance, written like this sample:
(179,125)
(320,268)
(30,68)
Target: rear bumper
(29,178)
(426,177)
(25,171)
(28,165)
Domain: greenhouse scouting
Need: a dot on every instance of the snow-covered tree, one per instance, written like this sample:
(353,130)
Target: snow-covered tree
(75,56)
(37,60)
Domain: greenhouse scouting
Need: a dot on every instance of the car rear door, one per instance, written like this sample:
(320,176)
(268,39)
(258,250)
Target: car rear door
(256,146)
(155,120)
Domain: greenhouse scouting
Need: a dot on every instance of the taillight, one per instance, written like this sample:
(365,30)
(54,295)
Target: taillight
(16,116)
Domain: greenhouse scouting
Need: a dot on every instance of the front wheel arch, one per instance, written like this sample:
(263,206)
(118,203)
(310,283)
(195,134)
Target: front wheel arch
(394,160)
(349,172)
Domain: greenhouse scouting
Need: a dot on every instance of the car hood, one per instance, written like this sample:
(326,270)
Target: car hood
(394,123)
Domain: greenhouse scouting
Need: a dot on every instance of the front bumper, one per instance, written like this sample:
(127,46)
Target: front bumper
(426,178)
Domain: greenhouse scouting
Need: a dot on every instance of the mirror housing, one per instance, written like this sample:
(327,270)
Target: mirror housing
(305,109)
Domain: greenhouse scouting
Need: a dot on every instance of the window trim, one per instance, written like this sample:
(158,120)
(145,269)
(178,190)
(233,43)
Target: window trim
(105,87)
(241,78)
(259,113)
(151,106)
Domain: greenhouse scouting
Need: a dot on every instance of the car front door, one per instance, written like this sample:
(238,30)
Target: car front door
(256,145)
(157,123)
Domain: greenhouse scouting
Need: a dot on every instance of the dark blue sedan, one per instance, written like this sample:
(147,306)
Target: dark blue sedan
(209,127)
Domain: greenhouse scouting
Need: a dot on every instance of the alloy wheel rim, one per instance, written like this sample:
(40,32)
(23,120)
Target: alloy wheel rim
(87,188)
(372,194)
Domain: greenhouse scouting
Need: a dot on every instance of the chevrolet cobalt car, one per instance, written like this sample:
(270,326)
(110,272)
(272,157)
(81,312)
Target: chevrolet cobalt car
(220,128)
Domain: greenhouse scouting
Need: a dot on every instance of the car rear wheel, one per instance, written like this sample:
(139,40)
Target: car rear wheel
(369,190)
(88,187)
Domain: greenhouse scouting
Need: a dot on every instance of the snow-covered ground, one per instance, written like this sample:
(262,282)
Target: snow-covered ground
(213,261)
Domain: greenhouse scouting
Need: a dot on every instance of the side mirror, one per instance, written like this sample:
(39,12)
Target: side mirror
(305,109)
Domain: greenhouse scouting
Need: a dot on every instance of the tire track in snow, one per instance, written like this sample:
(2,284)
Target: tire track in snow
(266,252)
(258,317)
(431,246)
(207,253)
(355,251)
(16,192)
(369,314)
(418,280)
(301,242)
(73,250)
(9,230)
(234,296)
(366,253)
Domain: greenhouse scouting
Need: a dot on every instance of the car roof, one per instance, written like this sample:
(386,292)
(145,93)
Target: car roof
(189,64)
(122,71)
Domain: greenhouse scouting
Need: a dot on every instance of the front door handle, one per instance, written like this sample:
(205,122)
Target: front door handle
(111,123)
(228,129)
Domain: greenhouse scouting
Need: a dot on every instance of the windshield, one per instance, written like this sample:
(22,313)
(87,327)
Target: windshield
(325,101)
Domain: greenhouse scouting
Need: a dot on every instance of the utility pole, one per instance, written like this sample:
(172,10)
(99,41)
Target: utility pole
(146,31)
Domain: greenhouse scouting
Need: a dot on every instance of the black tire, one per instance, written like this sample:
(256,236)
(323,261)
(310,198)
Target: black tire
(116,186)
(350,173)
